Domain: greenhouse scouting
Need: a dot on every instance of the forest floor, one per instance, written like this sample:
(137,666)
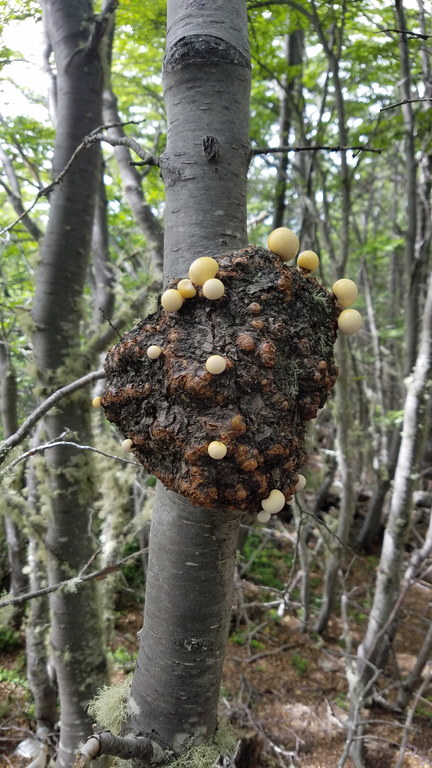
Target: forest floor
(284,689)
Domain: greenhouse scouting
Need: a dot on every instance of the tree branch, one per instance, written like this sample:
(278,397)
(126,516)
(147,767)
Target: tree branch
(313,148)
(407,32)
(43,408)
(405,101)
(105,743)
(74,582)
(14,194)
(93,138)
(68,444)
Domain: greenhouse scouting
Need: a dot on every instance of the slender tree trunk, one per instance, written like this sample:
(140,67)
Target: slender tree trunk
(9,420)
(146,220)
(343,389)
(76,632)
(37,630)
(412,273)
(192,550)
(417,251)
(294,57)
(372,649)
(13,192)
(103,275)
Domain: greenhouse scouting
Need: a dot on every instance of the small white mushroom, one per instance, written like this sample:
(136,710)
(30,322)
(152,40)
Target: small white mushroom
(186,288)
(217,450)
(346,292)
(126,445)
(301,483)
(171,300)
(203,269)
(308,260)
(216,364)
(263,516)
(154,351)
(97,402)
(350,321)
(213,288)
(274,502)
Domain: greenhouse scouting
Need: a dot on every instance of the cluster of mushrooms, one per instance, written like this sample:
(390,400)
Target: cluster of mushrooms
(203,278)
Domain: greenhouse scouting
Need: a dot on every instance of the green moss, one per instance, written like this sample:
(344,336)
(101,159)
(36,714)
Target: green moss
(108,707)
(205,756)
(299,663)
(6,613)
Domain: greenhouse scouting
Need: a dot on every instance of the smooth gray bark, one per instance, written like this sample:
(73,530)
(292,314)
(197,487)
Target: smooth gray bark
(76,632)
(103,282)
(148,223)
(37,630)
(9,420)
(175,688)
(294,57)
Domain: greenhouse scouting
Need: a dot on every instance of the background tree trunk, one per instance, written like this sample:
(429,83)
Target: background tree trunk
(76,629)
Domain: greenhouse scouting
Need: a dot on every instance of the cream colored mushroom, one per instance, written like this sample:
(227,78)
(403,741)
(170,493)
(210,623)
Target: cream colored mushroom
(346,292)
(171,300)
(213,288)
(215,364)
(301,483)
(284,242)
(186,288)
(274,502)
(217,450)
(350,321)
(308,260)
(203,269)
(154,351)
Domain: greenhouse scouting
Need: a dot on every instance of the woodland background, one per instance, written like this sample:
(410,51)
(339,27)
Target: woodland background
(340,131)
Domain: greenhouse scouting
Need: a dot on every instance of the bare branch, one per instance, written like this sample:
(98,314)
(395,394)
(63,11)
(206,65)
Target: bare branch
(105,743)
(312,148)
(93,138)
(405,101)
(68,444)
(43,408)
(75,581)
(407,32)
(14,194)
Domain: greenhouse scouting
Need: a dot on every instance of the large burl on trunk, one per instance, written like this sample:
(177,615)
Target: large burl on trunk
(275,326)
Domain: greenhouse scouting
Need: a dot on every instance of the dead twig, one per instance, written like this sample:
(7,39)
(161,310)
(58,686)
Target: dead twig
(43,408)
(94,137)
(74,582)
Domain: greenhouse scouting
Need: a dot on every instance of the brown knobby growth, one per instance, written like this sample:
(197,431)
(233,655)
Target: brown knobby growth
(275,326)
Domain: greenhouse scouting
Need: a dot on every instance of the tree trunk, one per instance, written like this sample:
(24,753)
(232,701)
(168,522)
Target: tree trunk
(146,220)
(294,58)
(76,631)
(175,688)
(14,536)
(38,620)
(373,647)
